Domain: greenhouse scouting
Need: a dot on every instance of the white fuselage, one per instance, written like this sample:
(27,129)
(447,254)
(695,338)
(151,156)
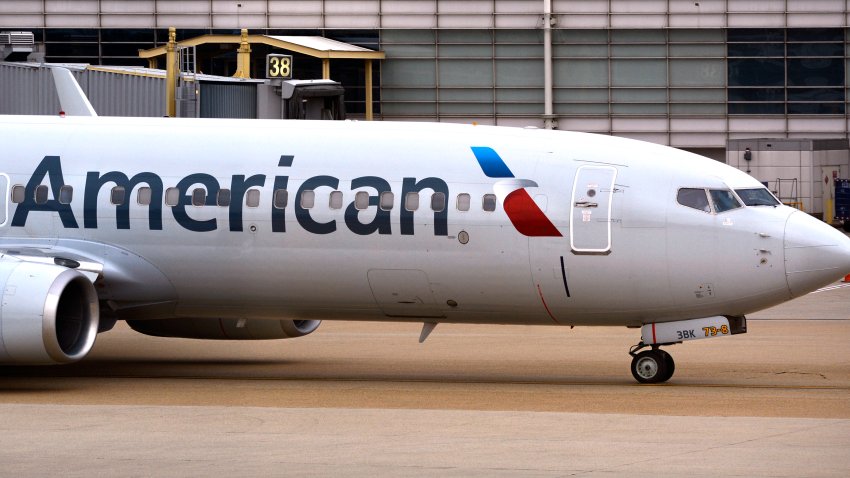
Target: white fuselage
(626,252)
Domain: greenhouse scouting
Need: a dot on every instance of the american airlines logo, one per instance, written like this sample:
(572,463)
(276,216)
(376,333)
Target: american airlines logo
(525,215)
(521,209)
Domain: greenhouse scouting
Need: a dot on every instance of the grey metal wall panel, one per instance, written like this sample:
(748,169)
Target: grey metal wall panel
(114,94)
(348,14)
(228,100)
(27,91)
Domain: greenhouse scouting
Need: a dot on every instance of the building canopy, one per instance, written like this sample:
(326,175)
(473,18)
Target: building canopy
(313,46)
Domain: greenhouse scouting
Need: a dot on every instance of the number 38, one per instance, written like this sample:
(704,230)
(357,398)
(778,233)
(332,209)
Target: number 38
(280,66)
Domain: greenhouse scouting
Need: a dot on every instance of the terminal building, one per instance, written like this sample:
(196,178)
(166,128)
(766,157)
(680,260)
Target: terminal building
(694,74)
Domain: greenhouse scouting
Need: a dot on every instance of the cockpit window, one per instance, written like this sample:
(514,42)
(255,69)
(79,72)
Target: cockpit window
(694,198)
(757,197)
(723,200)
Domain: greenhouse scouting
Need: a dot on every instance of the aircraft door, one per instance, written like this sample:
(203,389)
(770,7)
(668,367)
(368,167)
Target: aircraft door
(590,217)
(4,199)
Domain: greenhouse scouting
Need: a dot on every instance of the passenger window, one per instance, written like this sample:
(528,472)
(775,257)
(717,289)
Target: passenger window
(143,197)
(281,198)
(18,194)
(438,202)
(411,201)
(693,198)
(66,194)
(489,202)
(724,200)
(252,198)
(199,197)
(463,202)
(308,199)
(223,197)
(172,197)
(361,200)
(117,195)
(386,201)
(41,194)
(335,201)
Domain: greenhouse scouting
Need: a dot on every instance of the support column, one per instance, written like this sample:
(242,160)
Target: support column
(549,120)
(326,68)
(243,57)
(368,90)
(171,73)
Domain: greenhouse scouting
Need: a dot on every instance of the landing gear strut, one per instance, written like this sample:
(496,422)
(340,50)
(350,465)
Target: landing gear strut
(651,366)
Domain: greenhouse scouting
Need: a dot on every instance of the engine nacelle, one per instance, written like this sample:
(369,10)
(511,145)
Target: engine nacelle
(225,329)
(49,314)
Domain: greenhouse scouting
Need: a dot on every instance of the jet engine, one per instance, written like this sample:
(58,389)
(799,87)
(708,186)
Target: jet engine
(49,313)
(225,329)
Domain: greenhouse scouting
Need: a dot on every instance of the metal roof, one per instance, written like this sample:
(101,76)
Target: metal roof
(315,46)
(134,71)
(320,43)
(157,73)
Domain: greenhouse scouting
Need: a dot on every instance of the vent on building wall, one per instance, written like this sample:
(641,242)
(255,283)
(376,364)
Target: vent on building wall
(16,46)
(17,38)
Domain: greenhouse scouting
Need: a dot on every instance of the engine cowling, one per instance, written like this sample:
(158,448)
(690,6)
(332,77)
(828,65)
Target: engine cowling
(49,314)
(225,329)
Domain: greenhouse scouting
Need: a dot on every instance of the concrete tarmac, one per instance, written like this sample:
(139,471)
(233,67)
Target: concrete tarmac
(362,399)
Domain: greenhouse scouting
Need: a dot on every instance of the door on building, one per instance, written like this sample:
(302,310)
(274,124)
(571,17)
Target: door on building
(590,219)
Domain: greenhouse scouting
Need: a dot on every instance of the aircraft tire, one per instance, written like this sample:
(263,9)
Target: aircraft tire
(650,366)
(670,364)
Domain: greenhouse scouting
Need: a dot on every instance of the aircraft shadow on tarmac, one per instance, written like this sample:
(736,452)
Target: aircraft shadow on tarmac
(309,370)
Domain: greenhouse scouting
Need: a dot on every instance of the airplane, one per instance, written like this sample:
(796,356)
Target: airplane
(259,229)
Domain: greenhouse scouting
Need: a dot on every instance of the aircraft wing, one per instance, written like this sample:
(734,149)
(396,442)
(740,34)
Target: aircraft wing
(89,268)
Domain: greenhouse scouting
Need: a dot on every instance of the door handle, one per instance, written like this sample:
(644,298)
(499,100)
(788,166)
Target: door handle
(586,204)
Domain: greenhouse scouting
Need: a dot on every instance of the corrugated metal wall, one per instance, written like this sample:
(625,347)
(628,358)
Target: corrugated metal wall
(114,94)
(29,90)
(228,100)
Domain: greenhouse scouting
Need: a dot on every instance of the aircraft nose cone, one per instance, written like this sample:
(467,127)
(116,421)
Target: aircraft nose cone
(816,254)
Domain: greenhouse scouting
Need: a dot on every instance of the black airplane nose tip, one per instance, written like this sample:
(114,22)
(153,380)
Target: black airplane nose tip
(816,254)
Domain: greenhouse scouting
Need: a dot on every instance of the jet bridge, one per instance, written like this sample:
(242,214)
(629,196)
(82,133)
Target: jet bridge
(301,99)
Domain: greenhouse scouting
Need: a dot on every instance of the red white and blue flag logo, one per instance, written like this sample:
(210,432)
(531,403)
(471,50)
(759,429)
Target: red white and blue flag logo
(520,207)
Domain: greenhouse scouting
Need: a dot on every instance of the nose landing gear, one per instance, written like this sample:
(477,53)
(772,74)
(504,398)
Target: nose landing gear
(651,366)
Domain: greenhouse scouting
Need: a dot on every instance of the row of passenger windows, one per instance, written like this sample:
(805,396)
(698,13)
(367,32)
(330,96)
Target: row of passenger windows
(280,198)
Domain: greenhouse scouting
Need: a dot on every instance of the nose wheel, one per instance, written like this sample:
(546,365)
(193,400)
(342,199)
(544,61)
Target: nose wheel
(651,366)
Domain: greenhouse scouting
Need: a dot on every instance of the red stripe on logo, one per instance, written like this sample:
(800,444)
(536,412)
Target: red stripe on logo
(527,217)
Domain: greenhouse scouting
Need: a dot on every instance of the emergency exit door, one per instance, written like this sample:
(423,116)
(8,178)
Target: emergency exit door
(590,219)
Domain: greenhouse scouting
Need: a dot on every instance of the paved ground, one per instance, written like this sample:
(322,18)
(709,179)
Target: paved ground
(367,399)
(118,440)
